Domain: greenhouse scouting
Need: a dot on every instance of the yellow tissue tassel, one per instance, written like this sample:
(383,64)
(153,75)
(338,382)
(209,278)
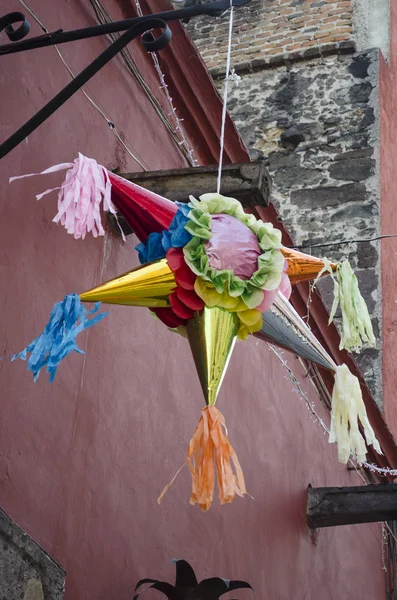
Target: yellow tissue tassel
(356,322)
(347,408)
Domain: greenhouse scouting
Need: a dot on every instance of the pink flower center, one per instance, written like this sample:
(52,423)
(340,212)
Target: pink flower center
(232,246)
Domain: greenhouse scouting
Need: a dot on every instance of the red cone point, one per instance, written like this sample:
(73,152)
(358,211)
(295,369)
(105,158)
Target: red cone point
(143,210)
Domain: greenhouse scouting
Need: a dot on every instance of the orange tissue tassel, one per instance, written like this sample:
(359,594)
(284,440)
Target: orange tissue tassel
(209,451)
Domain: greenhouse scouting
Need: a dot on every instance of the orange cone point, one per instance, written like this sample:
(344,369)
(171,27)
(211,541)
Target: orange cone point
(302,267)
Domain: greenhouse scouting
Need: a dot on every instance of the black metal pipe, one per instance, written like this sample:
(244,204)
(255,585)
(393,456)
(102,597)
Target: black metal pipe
(61,37)
(82,78)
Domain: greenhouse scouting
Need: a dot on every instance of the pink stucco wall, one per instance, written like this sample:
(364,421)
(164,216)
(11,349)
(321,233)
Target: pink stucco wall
(388,95)
(83,460)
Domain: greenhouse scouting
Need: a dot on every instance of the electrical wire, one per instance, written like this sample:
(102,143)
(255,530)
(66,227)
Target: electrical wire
(103,112)
(342,242)
(103,16)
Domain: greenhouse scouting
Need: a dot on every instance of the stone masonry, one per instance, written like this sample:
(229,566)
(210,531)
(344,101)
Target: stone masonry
(316,126)
(308,105)
(283,27)
(26,571)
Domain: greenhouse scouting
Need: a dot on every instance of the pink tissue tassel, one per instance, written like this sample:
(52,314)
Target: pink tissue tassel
(80,195)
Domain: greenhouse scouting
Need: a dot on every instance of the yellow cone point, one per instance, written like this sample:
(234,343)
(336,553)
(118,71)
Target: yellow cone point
(148,285)
(212,334)
(302,267)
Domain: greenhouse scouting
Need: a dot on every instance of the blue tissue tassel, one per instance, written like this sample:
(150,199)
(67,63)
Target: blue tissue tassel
(59,336)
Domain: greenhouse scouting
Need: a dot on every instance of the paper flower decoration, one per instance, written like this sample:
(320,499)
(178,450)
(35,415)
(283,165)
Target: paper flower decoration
(187,587)
(221,257)
(214,274)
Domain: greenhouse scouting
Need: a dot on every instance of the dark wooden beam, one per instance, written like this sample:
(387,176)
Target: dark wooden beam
(247,182)
(330,507)
(250,183)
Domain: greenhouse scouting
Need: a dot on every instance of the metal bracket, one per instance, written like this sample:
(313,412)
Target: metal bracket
(138,26)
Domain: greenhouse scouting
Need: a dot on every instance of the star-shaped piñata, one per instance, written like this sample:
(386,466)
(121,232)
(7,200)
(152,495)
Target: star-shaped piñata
(216,274)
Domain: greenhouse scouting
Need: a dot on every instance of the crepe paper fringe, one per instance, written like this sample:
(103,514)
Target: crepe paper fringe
(85,187)
(347,409)
(59,336)
(210,453)
(356,322)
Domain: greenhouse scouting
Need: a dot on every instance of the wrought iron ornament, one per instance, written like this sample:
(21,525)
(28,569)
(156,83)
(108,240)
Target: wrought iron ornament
(138,26)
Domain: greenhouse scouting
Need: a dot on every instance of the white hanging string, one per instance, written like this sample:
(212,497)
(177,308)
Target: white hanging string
(230,76)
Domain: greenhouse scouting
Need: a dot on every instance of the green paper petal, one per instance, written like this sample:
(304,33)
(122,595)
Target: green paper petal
(252,297)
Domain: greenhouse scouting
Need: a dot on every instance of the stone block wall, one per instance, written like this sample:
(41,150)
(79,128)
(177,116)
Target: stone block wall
(265,28)
(316,125)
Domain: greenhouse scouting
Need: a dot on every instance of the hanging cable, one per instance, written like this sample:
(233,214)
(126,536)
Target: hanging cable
(109,120)
(176,132)
(225,94)
(343,242)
